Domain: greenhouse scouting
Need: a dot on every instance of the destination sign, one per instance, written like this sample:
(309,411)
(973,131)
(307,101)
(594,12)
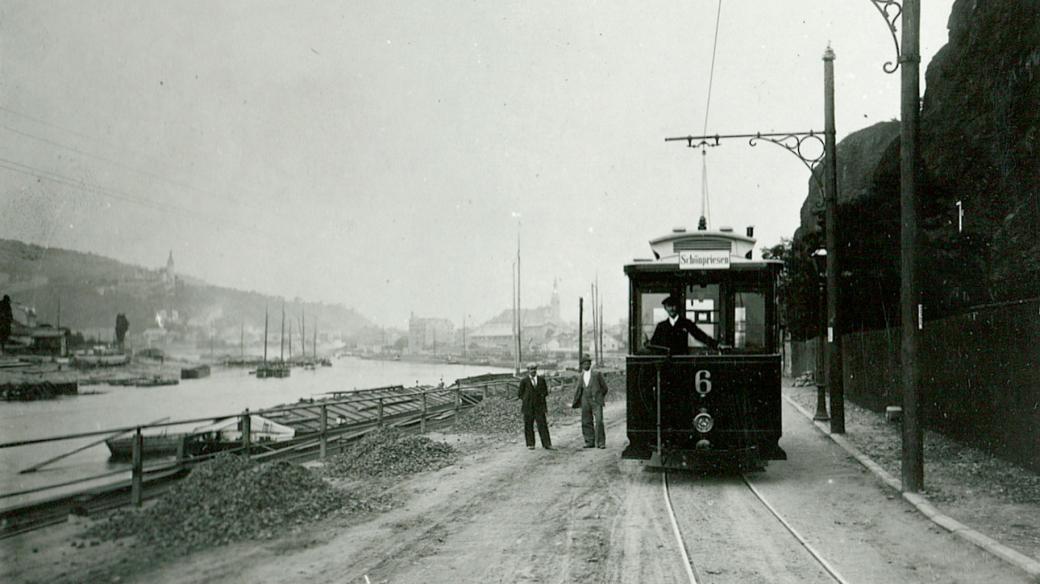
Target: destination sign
(704,259)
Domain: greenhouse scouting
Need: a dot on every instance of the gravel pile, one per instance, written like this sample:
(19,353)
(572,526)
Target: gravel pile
(389,452)
(500,413)
(497,414)
(229,499)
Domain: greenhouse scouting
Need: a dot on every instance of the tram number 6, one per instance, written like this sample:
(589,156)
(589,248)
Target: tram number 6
(702,382)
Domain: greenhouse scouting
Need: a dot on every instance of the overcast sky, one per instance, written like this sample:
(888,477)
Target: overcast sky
(384,155)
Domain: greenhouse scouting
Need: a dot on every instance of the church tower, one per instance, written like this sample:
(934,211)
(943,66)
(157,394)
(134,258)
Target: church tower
(554,304)
(169,278)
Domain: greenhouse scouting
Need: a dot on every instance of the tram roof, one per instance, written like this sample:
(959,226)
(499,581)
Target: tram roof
(701,250)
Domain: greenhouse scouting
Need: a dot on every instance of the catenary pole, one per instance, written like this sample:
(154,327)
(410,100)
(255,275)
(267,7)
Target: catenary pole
(911,310)
(833,374)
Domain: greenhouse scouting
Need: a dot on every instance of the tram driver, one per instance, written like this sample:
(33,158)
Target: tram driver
(673,332)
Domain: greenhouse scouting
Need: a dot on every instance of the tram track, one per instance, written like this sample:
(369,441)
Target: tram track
(691,568)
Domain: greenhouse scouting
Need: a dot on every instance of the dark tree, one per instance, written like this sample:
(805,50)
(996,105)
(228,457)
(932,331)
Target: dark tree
(798,289)
(6,318)
(122,325)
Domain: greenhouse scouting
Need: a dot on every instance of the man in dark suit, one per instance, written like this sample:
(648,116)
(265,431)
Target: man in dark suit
(532,393)
(590,391)
(672,332)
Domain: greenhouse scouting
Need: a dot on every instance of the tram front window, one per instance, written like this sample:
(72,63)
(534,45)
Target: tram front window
(702,309)
(749,321)
(700,306)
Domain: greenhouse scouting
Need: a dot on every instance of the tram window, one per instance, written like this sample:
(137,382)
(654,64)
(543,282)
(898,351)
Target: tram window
(749,320)
(702,308)
(650,313)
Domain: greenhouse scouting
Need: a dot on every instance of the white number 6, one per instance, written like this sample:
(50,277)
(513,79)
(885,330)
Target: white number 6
(702,382)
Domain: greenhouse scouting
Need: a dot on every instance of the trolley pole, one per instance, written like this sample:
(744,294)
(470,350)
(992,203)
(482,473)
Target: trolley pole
(833,373)
(909,300)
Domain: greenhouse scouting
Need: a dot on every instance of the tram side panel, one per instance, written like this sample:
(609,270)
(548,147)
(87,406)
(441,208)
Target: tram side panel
(741,394)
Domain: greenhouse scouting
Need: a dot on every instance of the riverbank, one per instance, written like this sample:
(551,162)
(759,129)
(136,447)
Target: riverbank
(502,512)
(64,373)
(228,391)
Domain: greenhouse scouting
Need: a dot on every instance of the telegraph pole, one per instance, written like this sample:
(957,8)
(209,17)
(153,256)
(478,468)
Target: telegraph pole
(581,314)
(519,311)
(516,344)
(833,374)
(911,311)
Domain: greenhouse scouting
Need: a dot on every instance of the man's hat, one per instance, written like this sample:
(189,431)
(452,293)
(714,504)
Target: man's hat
(532,366)
(672,300)
(586,359)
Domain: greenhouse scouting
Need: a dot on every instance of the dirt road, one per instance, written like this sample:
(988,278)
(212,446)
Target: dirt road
(508,514)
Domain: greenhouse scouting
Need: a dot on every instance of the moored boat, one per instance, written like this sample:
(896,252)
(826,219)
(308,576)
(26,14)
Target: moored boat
(274,369)
(152,445)
(223,434)
(196,372)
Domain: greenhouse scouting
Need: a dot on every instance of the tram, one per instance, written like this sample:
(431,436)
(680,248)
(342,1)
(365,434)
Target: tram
(703,364)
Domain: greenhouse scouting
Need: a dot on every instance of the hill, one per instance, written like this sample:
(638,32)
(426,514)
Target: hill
(90,290)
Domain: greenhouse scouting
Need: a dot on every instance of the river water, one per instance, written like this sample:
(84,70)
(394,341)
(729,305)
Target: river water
(226,392)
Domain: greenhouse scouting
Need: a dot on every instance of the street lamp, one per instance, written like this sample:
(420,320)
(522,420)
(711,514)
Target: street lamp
(819,258)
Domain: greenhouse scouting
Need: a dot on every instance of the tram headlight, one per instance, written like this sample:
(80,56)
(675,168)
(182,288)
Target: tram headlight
(703,422)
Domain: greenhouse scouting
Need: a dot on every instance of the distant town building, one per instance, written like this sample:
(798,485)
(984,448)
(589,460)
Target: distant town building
(539,326)
(427,334)
(29,337)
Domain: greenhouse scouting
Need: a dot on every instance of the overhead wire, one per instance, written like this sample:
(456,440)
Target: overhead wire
(148,173)
(116,194)
(109,192)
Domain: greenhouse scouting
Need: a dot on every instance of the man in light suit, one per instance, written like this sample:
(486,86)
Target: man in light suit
(532,393)
(590,391)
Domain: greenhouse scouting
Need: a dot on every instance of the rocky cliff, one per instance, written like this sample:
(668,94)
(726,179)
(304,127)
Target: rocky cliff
(980,122)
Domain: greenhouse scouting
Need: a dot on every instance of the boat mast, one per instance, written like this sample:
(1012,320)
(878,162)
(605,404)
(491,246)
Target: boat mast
(290,339)
(281,350)
(519,309)
(314,343)
(265,335)
(516,360)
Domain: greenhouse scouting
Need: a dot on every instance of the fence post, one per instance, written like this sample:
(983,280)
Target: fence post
(247,432)
(181,450)
(458,406)
(422,417)
(483,392)
(137,473)
(379,420)
(324,431)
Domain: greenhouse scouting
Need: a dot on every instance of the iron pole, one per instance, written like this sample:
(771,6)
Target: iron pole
(833,371)
(821,383)
(909,299)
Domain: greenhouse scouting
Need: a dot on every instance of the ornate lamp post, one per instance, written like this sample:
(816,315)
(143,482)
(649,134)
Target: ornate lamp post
(910,307)
(819,258)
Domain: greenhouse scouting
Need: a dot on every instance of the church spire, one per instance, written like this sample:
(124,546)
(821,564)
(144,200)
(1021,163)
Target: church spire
(555,301)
